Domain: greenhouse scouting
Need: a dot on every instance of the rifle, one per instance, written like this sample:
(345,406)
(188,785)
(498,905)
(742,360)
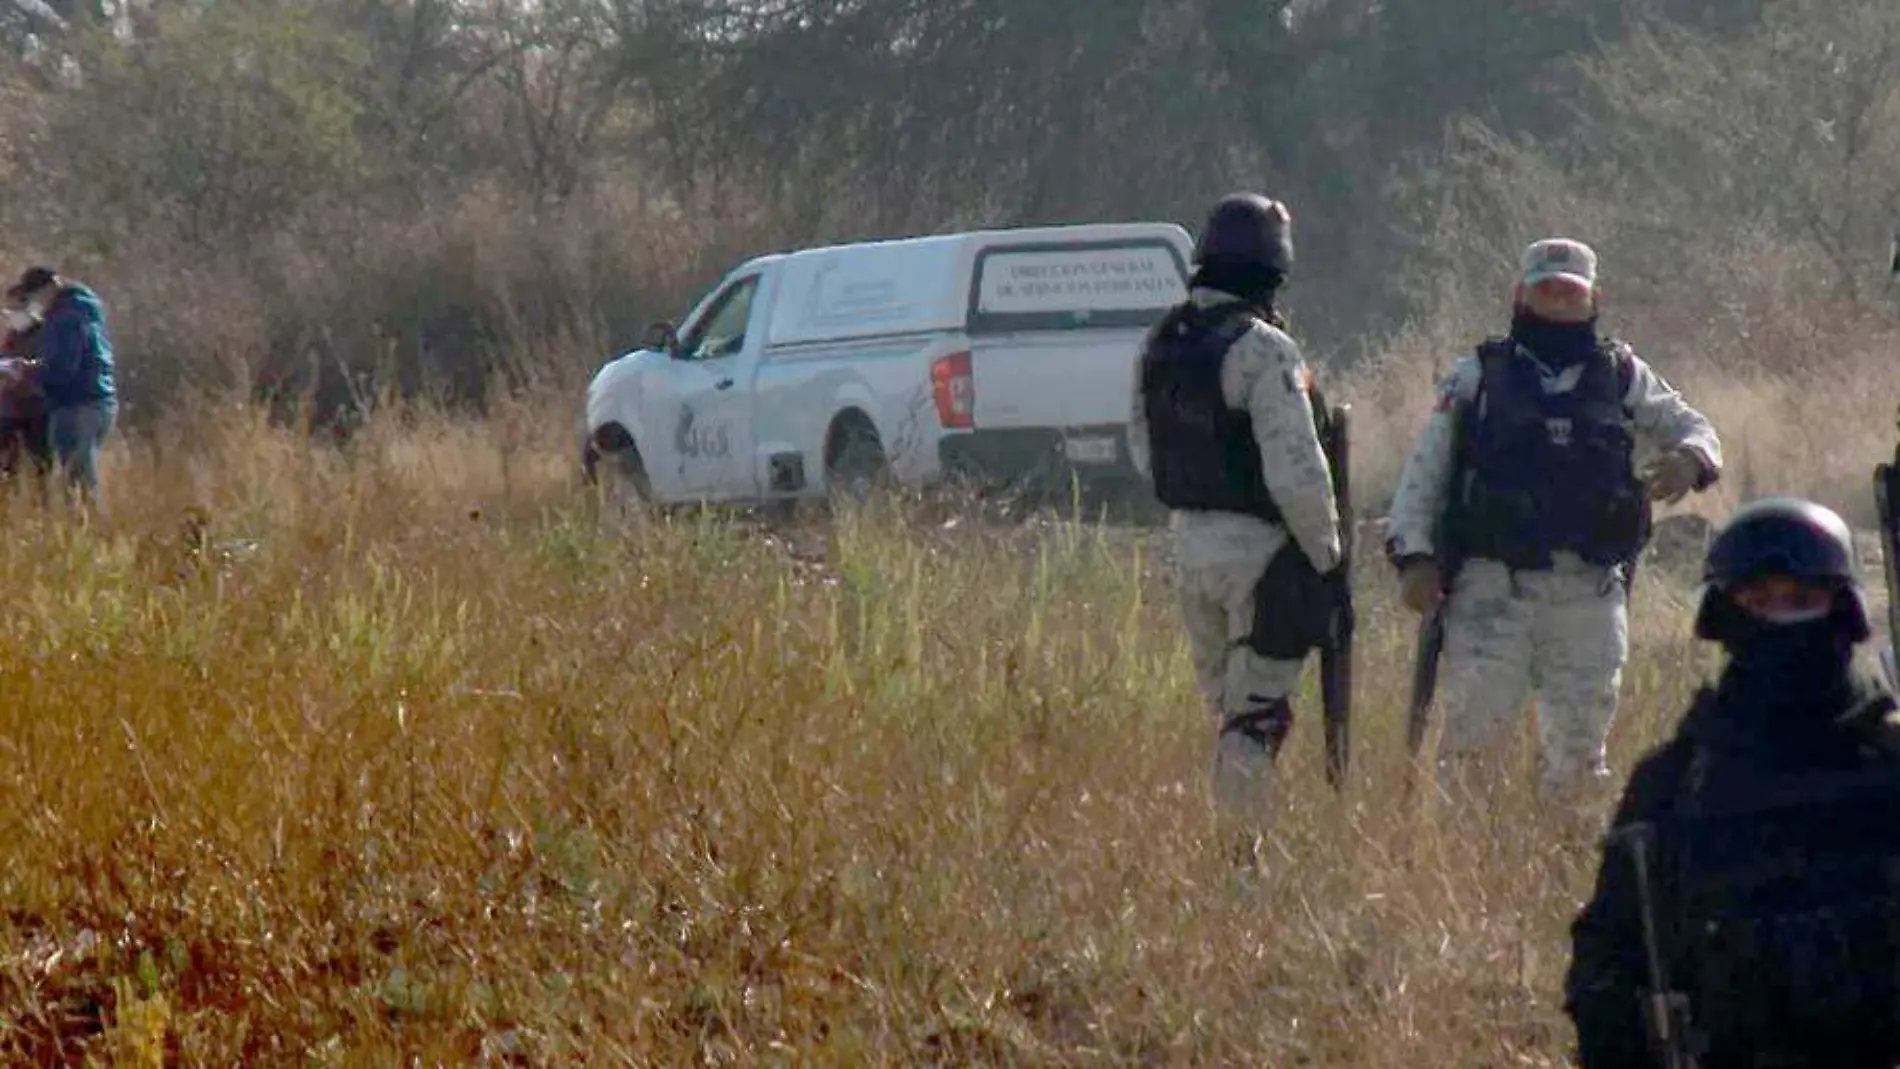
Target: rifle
(1666,1011)
(1335,656)
(1431,643)
(1431,627)
(1886,498)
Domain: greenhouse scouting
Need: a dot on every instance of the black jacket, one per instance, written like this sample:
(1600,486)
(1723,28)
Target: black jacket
(1608,974)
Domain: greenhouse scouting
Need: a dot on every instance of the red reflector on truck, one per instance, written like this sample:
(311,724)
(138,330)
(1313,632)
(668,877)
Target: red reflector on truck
(954,390)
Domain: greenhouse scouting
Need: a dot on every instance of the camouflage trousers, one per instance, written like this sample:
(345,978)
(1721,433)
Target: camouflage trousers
(1218,559)
(1563,633)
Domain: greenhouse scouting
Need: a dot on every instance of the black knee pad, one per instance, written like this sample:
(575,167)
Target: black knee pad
(1266,722)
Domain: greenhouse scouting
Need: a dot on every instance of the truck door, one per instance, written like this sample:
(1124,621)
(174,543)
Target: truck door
(656,399)
(712,428)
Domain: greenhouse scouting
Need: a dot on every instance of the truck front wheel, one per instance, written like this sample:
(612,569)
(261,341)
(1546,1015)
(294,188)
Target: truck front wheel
(618,476)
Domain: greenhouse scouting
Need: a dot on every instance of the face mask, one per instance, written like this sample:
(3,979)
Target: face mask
(1559,344)
(20,320)
(1787,668)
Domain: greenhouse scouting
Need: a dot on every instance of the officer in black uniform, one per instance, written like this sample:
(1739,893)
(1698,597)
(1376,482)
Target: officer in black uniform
(1757,853)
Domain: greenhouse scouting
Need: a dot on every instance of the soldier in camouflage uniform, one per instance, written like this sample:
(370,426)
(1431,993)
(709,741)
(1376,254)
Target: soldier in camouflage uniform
(1527,489)
(1223,423)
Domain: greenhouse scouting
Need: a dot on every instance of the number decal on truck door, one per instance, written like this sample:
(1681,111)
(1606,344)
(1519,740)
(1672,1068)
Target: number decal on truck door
(699,440)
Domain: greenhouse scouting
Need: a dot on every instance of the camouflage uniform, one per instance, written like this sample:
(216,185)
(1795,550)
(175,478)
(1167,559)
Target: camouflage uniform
(1563,631)
(1219,556)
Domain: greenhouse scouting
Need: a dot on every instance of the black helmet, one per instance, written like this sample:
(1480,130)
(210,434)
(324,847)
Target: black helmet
(1782,536)
(1248,230)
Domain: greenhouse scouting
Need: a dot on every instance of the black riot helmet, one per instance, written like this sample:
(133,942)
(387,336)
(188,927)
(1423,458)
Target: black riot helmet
(1247,236)
(1781,536)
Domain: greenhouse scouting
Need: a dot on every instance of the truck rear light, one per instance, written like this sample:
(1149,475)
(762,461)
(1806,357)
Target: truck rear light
(955,390)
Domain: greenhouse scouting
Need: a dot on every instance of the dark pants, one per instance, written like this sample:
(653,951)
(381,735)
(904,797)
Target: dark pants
(26,446)
(76,432)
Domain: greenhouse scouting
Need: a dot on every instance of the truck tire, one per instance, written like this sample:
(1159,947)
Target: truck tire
(857,468)
(619,479)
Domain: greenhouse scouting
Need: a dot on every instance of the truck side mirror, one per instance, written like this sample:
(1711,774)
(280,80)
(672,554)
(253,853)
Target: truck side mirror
(664,337)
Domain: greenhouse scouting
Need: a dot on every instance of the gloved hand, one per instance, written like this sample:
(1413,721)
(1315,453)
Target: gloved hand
(1421,586)
(1671,476)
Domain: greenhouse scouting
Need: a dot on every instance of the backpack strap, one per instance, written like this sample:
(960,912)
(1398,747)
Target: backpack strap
(1231,320)
(1624,357)
(1491,353)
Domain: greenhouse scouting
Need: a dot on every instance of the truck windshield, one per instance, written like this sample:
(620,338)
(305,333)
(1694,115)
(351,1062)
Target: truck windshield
(721,331)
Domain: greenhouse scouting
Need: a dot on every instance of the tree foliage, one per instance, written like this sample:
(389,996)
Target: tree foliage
(221,125)
(305,148)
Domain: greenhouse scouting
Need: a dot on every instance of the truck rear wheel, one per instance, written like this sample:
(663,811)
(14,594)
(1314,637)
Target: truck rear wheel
(857,469)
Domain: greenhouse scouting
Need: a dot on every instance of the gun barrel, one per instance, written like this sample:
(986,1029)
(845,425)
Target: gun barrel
(1336,655)
(1431,642)
(1886,497)
(1665,1006)
(1336,700)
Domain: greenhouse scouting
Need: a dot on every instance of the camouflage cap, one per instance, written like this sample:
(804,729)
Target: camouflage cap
(1560,258)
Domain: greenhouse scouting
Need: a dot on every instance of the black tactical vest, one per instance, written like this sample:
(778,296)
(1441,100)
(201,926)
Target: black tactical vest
(1202,452)
(1779,878)
(1545,472)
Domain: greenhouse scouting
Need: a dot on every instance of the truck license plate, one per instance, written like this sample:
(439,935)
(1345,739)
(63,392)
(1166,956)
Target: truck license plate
(1089,450)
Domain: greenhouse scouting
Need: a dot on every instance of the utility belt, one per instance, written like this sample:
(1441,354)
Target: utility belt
(1609,576)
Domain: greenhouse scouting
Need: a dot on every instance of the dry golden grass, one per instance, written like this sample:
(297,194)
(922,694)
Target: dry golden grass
(444,770)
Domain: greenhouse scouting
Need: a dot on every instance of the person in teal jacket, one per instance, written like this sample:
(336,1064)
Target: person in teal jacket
(76,373)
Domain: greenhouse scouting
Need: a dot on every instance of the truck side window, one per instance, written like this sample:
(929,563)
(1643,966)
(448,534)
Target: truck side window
(721,331)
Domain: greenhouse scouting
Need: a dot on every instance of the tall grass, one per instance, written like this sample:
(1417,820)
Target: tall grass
(422,760)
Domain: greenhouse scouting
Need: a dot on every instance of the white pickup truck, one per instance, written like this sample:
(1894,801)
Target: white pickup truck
(1000,355)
